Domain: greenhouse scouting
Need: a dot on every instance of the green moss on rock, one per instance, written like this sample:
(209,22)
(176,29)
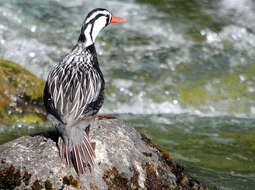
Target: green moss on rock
(148,141)
(26,178)
(10,178)
(147,154)
(48,185)
(20,95)
(70,180)
(27,118)
(155,178)
(37,185)
(115,180)
(19,81)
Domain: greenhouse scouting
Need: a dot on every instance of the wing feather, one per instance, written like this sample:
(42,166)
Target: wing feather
(71,89)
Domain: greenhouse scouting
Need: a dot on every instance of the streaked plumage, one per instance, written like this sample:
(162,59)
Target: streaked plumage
(74,93)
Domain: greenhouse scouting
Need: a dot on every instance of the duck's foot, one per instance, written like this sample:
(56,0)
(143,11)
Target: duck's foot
(100,117)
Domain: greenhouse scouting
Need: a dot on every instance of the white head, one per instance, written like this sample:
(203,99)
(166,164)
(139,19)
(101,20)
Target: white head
(95,21)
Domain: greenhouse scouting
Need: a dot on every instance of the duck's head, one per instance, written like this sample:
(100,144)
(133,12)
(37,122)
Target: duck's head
(95,21)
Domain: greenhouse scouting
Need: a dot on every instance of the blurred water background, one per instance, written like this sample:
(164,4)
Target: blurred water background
(182,71)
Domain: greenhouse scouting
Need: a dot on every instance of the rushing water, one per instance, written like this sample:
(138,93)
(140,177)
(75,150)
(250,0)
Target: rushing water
(217,150)
(184,68)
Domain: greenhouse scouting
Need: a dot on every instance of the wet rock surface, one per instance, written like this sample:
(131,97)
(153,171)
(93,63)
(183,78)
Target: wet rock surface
(125,159)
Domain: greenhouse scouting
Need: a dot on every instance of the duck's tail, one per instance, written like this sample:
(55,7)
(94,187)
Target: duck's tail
(76,149)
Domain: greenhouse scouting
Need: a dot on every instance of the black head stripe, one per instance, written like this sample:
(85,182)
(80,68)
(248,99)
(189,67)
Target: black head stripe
(95,10)
(82,36)
(96,17)
(107,19)
(94,13)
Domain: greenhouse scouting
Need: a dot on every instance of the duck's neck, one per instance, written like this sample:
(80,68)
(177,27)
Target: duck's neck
(89,33)
(85,46)
(85,37)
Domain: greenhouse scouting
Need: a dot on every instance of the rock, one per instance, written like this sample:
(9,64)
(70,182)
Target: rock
(20,95)
(125,160)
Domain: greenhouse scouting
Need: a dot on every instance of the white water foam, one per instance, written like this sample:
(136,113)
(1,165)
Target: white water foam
(18,43)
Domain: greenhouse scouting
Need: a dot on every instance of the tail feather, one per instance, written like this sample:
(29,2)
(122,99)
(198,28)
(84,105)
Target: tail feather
(88,149)
(67,155)
(78,163)
(81,155)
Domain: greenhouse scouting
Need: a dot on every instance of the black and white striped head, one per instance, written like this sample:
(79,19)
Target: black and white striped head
(95,21)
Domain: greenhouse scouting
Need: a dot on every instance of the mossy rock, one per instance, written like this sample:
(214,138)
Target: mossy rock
(20,95)
(18,81)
